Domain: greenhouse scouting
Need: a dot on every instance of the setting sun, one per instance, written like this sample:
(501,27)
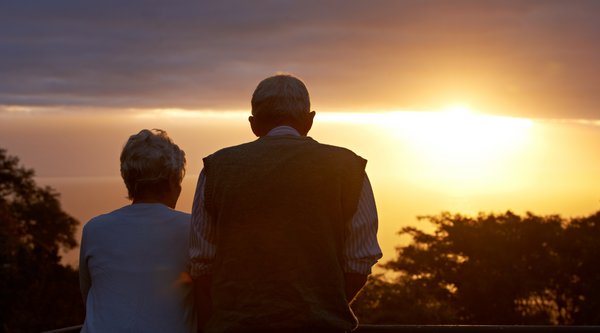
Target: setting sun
(469,152)
(455,151)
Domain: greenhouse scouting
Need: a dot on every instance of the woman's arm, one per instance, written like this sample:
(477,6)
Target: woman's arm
(85,280)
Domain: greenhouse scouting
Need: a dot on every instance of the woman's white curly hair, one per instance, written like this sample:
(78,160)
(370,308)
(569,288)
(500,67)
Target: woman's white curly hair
(148,160)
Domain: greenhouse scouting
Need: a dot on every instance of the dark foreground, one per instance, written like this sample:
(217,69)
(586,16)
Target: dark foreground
(438,328)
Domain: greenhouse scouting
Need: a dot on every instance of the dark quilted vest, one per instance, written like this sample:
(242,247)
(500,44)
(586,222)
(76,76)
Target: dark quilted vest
(281,205)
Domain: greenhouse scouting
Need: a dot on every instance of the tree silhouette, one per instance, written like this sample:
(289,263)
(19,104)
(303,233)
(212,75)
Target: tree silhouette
(492,269)
(405,301)
(36,292)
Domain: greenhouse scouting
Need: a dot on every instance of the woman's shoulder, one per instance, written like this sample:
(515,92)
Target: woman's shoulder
(165,212)
(180,214)
(102,219)
(138,215)
(182,219)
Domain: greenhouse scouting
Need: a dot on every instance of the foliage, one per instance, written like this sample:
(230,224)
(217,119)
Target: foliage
(492,269)
(36,292)
(404,301)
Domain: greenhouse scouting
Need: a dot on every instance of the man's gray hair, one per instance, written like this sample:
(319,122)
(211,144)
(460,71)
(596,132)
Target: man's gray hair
(281,97)
(148,160)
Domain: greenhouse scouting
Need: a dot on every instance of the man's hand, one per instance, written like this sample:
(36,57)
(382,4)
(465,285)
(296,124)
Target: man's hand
(354,283)
(202,287)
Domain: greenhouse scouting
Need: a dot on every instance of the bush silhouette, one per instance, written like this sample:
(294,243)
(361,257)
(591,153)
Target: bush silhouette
(37,293)
(491,269)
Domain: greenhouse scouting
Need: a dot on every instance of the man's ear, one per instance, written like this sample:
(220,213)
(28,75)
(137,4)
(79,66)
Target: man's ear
(307,125)
(255,126)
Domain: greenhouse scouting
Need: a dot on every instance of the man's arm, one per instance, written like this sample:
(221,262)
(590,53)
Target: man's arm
(354,283)
(361,250)
(202,253)
(202,285)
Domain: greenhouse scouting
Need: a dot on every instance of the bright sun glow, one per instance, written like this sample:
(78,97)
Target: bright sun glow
(465,152)
(458,110)
(455,150)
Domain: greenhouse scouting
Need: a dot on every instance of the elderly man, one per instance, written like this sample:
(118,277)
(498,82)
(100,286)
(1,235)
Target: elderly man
(284,229)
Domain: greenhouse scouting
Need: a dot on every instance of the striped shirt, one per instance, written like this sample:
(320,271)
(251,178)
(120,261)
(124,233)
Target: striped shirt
(361,249)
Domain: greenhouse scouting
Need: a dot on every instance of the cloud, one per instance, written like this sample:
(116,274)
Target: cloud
(519,58)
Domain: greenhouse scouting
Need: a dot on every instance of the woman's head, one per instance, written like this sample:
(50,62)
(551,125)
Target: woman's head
(151,163)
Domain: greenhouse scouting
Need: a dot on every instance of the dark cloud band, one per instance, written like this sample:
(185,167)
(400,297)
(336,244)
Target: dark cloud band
(521,58)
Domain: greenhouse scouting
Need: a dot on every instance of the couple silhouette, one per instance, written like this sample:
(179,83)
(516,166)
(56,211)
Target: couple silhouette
(282,235)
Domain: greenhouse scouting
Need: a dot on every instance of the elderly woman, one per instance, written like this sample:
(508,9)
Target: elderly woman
(134,263)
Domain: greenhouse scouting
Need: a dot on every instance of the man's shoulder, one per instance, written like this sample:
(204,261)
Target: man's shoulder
(232,149)
(339,153)
(282,148)
(305,141)
(341,150)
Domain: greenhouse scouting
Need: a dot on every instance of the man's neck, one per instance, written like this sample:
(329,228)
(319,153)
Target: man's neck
(283,130)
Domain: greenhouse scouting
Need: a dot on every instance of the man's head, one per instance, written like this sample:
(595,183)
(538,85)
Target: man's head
(281,99)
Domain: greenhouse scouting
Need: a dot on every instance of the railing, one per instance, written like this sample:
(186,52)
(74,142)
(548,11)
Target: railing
(473,329)
(437,329)
(72,329)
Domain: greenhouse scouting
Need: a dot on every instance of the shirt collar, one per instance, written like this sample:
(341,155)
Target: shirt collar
(283,130)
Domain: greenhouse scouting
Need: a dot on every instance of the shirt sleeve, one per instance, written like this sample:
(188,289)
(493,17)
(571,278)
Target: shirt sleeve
(85,280)
(361,249)
(202,234)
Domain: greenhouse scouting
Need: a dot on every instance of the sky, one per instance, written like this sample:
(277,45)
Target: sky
(464,106)
(525,58)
